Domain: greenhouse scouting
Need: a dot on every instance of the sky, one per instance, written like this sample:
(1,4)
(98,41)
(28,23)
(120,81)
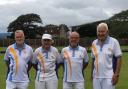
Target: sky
(69,12)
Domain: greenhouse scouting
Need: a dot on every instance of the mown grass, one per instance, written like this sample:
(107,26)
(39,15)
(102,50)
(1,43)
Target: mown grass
(122,84)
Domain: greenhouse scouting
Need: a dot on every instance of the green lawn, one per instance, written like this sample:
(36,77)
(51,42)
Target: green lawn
(122,84)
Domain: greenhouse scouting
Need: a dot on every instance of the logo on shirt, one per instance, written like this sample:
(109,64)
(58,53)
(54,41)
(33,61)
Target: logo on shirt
(110,52)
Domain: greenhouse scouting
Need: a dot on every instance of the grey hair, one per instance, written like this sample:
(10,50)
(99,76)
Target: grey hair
(102,25)
(19,31)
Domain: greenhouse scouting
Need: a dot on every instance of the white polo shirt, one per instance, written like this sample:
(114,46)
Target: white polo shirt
(73,63)
(46,61)
(104,57)
(18,59)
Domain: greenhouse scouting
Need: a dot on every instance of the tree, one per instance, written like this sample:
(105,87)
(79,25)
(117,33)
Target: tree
(118,25)
(27,24)
(88,30)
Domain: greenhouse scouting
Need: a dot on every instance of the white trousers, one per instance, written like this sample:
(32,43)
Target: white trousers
(73,85)
(50,84)
(102,83)
(15,85)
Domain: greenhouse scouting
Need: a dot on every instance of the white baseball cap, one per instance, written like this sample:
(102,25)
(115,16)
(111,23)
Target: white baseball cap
(47,36)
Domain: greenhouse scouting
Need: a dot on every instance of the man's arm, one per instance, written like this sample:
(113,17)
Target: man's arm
(7,64)
(29,67)
(7,61)
(118,54)
(85,65)
(117,71)
(86,60)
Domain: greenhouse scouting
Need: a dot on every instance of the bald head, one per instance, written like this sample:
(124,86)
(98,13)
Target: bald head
(74,34)
(74,39)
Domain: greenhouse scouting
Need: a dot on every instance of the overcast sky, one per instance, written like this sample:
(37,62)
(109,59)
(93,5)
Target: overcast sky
(69,12)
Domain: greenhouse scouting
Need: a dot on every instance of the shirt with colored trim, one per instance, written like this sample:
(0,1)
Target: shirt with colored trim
(104,56)
(46,63)
(73,59)
(18,59)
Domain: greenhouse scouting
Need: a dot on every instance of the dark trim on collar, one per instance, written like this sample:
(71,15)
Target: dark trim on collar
(76,48)
(105,42)
(45,50)
(15,46)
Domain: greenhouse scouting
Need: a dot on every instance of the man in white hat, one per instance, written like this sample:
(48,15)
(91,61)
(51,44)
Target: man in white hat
(45,59)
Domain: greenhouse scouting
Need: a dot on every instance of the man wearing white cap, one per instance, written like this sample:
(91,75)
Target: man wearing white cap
(45,59)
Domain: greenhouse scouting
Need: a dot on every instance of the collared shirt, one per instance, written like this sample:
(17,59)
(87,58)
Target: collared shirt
(18,59)
(46,61)
(73,63)
(103,55)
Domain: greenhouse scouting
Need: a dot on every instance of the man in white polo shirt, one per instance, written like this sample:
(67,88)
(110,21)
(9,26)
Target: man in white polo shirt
(106,55)
(75,59)
(45,59)
(18,58)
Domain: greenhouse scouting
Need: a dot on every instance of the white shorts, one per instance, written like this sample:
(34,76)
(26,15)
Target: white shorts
(102,83)
(50,84)
(73,85)
(15,85)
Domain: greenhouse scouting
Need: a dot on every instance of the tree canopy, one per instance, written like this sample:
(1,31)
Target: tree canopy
(27,24)
(117,26)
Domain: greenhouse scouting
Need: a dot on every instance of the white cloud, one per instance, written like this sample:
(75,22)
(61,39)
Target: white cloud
(6,2)
(71,12)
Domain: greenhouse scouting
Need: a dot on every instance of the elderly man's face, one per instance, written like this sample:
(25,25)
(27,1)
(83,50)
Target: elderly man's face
(74,39)
(19,38)
(102,33)
(46,43)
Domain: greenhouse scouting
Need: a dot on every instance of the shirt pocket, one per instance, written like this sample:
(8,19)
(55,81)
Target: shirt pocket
(108,56)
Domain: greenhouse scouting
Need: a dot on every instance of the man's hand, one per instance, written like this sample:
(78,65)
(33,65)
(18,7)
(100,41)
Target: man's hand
(115,79)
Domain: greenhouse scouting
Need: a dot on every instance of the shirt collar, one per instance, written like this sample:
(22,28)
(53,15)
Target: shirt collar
(106,40)
(76,48)
(23,47)
(43,50)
